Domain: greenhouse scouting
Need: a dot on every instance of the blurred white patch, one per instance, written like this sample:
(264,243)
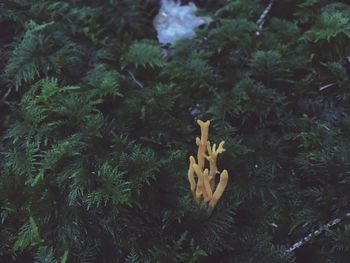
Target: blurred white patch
(175,21)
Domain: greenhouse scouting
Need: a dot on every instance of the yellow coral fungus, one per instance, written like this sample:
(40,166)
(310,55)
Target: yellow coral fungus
(208,192)
(219,190)
(212,157)
(191,176)
(202,142)
(200,182)
(205,185)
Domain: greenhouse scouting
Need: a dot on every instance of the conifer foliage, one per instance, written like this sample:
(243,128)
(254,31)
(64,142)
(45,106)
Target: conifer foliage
(98,120)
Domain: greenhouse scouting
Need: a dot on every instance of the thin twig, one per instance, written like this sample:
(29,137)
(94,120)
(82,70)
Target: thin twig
(327,86)
(135,80)
(316,233)
(262,18)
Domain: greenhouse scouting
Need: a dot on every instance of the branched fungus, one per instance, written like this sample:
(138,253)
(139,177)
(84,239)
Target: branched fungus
(203,188)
